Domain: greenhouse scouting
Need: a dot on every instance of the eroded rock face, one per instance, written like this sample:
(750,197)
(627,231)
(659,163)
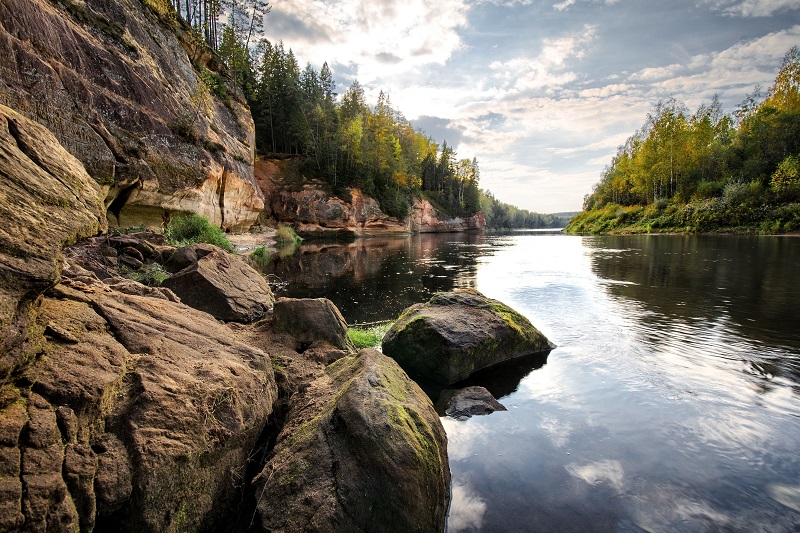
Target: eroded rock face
(114,81)
(312,319)
(47,200)
(363,450)
(456,333)
(425,218)
(141,414)
(224,286)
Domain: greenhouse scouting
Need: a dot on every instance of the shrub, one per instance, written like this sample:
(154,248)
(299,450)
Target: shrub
(260,256)
(152,274)
(286,235)
(368,337)
(192,229)
(787,176)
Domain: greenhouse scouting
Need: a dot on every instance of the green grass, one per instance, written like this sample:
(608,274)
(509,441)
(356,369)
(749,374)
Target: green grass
(191,228)
(152,274)
(260,256)
(286,235)
(368,337)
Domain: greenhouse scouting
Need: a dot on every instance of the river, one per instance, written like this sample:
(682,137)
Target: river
(672,402)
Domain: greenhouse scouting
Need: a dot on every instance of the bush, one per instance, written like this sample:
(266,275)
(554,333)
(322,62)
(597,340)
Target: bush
(152,275)
(193,229)
(369,337)
(260,256)
(286,235)
(786,179)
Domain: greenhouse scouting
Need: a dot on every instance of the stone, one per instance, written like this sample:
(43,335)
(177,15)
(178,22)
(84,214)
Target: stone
(312,319)
(48,200)
(114,80)
(456,333)
(224,286)
(462,404)
(362,450)
(186,256)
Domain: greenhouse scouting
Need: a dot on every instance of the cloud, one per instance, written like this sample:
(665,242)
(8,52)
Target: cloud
(561,6)
(370,35)
(466,508)
(752,8)
(547,70)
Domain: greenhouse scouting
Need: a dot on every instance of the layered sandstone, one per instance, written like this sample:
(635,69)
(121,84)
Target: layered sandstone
(118,83)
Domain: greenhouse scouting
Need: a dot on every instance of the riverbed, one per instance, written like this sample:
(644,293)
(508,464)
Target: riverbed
(672,402)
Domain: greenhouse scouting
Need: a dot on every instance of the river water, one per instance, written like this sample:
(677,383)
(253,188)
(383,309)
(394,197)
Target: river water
(672,402)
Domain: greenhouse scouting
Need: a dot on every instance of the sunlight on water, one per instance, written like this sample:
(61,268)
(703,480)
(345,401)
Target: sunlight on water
(672,402)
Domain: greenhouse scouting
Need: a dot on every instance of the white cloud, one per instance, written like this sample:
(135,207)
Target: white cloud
(547,69)
(372,36)
(606,471)
(753,8)
(561,6)
(466,508)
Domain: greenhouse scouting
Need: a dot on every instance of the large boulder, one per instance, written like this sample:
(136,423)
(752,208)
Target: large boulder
(456,333)
(47,200)
(140,415)
(312,319)
(224,286)
(362,450)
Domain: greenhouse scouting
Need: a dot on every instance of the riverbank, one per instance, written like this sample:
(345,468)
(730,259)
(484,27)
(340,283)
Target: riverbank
(714,216)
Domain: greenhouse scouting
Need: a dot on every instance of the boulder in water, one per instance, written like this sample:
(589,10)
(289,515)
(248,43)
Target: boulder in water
(456,333)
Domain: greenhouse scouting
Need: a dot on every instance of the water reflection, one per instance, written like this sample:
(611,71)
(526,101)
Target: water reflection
(672,401)
(377,278)
(732,298)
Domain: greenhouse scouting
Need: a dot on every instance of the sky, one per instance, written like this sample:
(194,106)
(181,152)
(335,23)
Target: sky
(541,92)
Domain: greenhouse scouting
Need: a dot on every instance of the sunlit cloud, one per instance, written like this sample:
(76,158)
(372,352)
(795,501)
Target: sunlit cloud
(753,8)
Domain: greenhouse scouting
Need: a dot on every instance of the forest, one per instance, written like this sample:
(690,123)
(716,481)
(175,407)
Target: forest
(707,170)
(345,141)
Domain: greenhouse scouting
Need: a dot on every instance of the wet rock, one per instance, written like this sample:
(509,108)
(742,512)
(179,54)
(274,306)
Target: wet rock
(362,450)
(224,286)
(464,403)
(312,319)
(456,333)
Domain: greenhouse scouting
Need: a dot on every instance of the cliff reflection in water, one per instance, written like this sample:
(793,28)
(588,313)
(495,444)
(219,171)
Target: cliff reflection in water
(375,278)
(742,288)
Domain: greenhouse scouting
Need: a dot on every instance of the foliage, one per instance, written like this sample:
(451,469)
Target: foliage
(500,215)
(152,274)
(720,170)
(369,336)
(192,229)
(286,235)
(349,143)
(786,178)
(260,256)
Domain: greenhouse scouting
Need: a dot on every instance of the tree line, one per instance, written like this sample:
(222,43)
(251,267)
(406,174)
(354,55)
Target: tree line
(681,157)
(500,215)
(345,141)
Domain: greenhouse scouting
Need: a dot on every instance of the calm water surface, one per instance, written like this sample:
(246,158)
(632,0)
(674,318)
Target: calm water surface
(672,402)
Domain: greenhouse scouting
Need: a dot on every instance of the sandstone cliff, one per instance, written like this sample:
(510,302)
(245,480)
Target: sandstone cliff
(313,212)
(114,81)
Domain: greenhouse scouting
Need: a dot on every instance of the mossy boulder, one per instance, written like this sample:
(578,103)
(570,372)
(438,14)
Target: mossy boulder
(362,450)
(456,333)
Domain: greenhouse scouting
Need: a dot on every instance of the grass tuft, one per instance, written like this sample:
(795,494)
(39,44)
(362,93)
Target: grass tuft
(193,229)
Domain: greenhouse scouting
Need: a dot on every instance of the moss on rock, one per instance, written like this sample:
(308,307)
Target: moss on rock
(456,333)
